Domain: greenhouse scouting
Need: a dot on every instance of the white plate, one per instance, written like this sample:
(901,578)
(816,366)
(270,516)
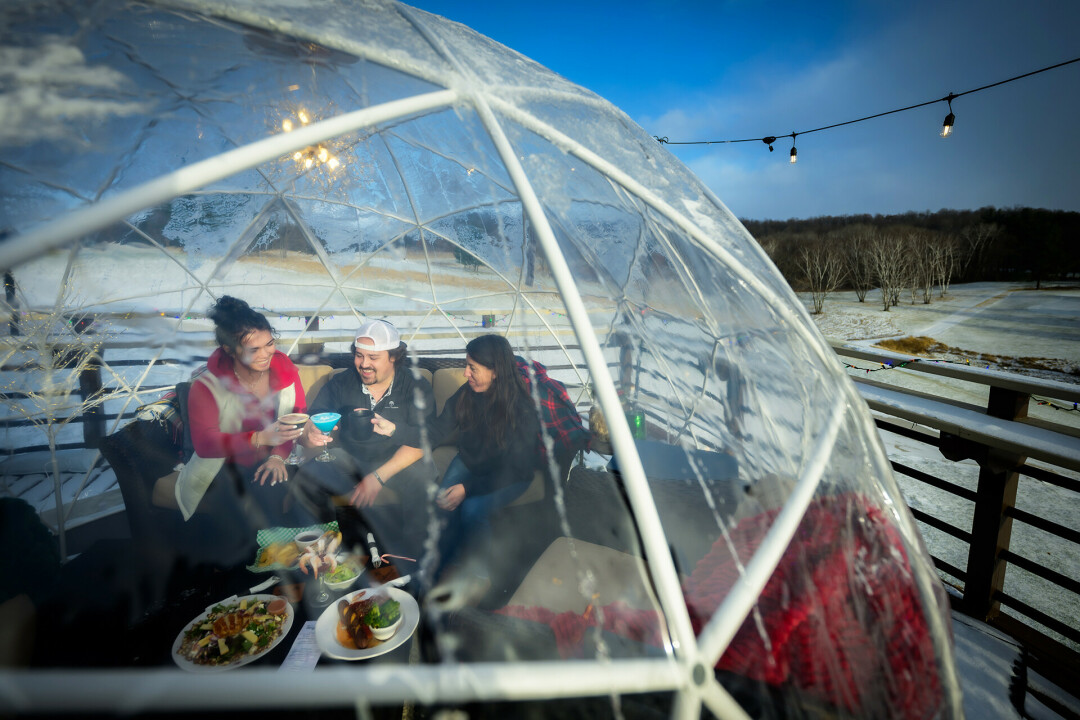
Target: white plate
(326,627)
(190,666)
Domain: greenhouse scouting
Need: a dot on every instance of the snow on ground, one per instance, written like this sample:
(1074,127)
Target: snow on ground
(991,319)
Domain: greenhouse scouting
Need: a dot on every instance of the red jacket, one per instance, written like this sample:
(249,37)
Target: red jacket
(206,435)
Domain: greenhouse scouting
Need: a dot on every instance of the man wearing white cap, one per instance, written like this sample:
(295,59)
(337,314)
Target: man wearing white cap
(382,409)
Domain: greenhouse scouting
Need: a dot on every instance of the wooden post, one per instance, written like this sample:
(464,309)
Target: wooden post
(311,323)
(13,303)
(89,386)
(94,417)
(991,529)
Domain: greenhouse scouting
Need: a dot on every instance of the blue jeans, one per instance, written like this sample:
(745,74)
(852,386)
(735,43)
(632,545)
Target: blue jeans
(470,523)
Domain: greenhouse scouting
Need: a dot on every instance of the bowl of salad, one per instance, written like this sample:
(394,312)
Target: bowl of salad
(343,577)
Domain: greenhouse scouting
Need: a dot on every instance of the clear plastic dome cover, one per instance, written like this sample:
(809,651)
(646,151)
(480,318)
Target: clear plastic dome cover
(734,544)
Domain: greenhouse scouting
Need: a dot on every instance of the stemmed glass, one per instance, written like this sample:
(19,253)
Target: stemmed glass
(326,422)
(295,419)
(323,597)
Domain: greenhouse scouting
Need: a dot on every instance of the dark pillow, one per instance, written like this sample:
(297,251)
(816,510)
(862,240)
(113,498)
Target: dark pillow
(187,448)
(139,453)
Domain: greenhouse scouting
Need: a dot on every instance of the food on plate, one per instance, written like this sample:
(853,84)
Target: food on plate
(278,553)
(344,572)
(319,555)
(231,631)
(358,618)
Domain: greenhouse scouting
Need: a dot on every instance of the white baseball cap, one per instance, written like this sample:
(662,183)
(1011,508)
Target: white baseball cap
(382,334)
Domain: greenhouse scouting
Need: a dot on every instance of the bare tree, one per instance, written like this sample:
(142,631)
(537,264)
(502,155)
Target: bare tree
(856,242)
(821,263)
(974,240)
(51,352)
(942,254)
(782,250)
(887,258)
(919,264)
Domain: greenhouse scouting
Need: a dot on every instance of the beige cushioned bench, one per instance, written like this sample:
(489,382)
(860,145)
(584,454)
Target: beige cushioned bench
(444,383)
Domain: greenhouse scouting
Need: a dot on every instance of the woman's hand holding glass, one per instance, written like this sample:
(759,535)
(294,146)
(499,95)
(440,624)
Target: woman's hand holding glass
(276,433)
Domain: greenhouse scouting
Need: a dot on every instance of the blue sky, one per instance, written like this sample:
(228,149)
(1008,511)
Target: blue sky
(746,69)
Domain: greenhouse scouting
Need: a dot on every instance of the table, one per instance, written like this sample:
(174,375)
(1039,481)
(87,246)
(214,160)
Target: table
(139,603)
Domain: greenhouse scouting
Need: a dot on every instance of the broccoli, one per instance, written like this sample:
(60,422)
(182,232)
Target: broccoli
(384,615)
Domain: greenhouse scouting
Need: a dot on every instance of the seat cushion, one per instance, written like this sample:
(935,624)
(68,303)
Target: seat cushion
(313,377)
(445,383)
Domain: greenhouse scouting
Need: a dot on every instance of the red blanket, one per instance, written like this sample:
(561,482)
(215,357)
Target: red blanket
(840,619)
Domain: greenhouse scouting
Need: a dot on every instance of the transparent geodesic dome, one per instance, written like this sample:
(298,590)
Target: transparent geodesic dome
(333,161)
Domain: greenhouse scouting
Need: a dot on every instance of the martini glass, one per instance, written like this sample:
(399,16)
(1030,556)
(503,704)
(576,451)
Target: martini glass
(325,422)
(296,419)
(323,596)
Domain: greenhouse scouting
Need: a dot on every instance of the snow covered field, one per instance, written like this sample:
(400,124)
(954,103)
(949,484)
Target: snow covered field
(1007,322)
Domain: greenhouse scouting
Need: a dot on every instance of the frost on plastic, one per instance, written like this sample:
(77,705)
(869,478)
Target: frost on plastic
(738,513)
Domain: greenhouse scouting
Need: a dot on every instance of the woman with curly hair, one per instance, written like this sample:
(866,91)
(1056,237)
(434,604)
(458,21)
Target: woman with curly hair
(238,466)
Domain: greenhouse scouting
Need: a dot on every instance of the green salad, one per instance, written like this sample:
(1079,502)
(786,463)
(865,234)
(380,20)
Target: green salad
(230,632)
(341,574)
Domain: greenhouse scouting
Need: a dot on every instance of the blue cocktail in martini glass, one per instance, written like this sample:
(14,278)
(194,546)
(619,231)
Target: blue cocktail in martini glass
(326,422)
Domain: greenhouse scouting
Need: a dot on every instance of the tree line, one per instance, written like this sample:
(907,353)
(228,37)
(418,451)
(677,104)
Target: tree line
(915,256)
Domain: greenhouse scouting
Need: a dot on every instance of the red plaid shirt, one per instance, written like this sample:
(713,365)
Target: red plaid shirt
(559,415)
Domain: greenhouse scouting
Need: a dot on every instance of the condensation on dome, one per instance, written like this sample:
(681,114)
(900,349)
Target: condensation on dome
(345,160)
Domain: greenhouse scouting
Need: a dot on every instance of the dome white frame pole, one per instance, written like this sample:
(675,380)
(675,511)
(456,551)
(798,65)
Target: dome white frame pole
(740,599)
(799,322)
(197,175)
(768,556)
(661,564)
(129,691)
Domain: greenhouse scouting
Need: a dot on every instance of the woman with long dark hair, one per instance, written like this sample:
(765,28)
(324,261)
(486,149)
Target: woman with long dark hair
(498,443)
(237,472)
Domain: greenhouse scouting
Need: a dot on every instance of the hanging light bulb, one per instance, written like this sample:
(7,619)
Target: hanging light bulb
(794,152)
(947,126)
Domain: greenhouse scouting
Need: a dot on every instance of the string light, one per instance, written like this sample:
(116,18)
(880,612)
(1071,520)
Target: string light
(946,129)
(794,151)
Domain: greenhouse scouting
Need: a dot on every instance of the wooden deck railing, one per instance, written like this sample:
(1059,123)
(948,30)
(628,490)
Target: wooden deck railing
(1001,439)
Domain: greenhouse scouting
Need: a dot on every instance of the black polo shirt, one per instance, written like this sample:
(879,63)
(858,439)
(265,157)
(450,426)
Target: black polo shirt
(409,404)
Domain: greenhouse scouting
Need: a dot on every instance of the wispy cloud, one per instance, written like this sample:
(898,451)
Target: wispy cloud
(48,90)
